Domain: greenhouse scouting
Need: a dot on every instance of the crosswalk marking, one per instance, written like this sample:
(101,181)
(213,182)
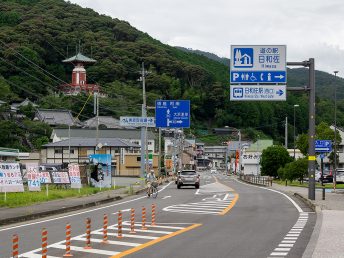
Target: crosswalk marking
(113,247)
(81,249)
(211,206)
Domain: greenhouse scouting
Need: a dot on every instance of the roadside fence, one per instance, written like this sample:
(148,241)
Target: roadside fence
(256,180)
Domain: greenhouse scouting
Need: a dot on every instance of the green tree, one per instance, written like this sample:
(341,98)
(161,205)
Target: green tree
(272,159)
(296,169)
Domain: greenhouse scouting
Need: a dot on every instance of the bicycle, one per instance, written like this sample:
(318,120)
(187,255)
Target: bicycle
(152,189)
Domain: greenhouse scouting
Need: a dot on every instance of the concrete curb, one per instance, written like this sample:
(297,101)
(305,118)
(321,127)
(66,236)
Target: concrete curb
(57,211)
(306,201)
(37,215)
(310,248)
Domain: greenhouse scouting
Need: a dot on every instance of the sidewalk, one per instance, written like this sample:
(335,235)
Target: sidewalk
(328,237)
(13,215)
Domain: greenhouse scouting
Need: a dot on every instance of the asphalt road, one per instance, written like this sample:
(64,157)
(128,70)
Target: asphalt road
(224,218)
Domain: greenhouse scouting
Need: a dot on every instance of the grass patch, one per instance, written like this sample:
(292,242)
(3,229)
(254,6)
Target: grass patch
(27,198)
(305,184)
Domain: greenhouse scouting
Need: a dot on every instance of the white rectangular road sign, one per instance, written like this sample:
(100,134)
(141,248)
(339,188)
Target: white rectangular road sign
(258,64)
(258,92)
(136,121)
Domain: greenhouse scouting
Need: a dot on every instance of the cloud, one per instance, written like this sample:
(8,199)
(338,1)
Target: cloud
(309,28)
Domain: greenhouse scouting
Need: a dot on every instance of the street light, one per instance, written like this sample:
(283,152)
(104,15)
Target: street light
(294,128)
(335,133)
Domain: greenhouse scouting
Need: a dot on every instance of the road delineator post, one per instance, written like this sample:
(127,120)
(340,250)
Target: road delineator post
(144,218)
(153,215)
(132,221)
(119,226)
(68,236)
(88,234)
(44,243)
(15,246)
(105,230)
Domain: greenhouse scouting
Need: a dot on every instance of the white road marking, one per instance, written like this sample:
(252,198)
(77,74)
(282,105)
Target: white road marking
(78,213)
(128,235)
(121,211)
(144,230)
(286,245)
(194,211)
(279,249)
(165,197)
(81,249)
(278,254)
(110,242)
(157,226)
(33,255)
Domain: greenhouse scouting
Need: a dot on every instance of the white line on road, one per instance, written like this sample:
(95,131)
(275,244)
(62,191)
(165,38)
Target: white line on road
(165,197)
(111,242)
(81,249)
(78,213)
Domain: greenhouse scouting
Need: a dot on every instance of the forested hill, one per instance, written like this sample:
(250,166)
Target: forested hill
(36,35)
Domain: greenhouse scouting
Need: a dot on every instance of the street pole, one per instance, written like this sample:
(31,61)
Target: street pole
(69,144)
(143,114)
(286,133)
(311,134)
(294,129)
(159,149)
(335,133)
(239,133)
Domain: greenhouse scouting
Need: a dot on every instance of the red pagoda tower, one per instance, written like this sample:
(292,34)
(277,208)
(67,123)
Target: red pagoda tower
(79,83)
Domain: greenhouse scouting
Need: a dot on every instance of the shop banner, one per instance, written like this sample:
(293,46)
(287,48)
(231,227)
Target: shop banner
(10,178)
(33,177)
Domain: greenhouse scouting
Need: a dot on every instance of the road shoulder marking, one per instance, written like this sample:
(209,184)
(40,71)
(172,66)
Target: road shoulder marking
(155,241)
(230,206)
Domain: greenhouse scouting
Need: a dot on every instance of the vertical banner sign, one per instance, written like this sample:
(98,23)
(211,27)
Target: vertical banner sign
(33,177)
(74,175)
(45,177)
(122,156)
(60,177)
(102,163)
(10,178)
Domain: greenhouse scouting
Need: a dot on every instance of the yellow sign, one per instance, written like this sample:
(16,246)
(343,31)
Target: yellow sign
(311,157)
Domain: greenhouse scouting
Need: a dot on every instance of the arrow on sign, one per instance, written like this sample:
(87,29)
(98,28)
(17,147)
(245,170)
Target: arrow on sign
(279,76)
(279,92)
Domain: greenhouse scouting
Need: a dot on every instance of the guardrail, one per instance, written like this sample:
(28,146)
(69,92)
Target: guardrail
(256,180)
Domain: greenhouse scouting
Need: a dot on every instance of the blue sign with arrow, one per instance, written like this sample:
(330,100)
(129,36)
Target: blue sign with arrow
(323,146)
(172,113)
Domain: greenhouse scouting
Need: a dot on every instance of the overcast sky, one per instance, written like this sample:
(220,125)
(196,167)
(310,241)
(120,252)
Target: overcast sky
(309,28)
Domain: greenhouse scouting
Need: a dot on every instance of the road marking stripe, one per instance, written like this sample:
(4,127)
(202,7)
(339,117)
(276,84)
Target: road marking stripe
(135,249)
(290,238)
(78,213)
(143,230)
(191,211)
(278,254)
(127,235)
(236,197)
(155,226)
(195,208)
(111,242)
(33,255)
(203,205)
(81,249)
(278,249)
(286,245)
(288,241)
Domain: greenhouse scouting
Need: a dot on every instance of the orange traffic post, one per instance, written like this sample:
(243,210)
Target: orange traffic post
(68,235)
(144,218)
(132,221)
(44,243)
(119,226)
(105,230)
(15,246)
(153,214)
(88,234)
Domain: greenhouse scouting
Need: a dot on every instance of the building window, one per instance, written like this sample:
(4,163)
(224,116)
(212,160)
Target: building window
(138,159)
(72,151)
(58,151)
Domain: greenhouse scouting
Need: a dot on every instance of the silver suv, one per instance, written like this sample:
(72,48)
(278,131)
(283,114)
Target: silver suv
(188,177)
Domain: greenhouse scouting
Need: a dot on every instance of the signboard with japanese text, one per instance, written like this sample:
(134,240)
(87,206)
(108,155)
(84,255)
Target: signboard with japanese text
(136,121)
(60,177)
(33,177)
(258,92)
(74,175)
(172,113)
(10,178)
(45,177)
(258,64)
(323,146)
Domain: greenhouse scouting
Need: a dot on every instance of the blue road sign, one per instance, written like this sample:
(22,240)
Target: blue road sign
(323,146)
(172,113)
(258,77)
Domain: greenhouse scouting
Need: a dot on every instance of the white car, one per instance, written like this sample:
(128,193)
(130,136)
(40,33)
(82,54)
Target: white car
(340,176)
(213,171)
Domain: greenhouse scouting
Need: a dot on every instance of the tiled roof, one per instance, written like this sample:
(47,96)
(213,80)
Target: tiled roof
(79,58)
(55,116)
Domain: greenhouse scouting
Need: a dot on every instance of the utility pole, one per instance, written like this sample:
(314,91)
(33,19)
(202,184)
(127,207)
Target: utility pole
(286,133)
(143,114)
(96,112)
(335,133)
(239,133)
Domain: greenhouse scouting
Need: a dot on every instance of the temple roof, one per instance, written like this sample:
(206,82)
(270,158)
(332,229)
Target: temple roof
(79,58)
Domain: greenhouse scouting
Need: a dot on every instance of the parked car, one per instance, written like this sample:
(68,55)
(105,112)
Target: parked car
(188,177)
(47,168)
(340,175)
(178,173)
(328,177)
(213,171)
